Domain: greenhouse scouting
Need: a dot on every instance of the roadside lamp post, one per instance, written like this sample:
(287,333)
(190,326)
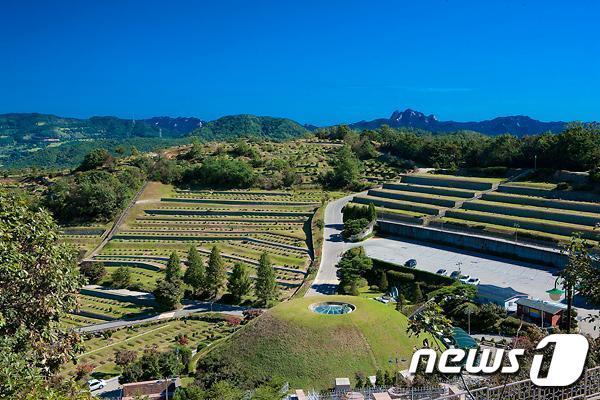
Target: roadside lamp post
(555,294)
(516,226)
(535,162)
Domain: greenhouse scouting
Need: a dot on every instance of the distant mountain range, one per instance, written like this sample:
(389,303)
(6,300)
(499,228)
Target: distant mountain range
(518,125)
(32,128)
(35,128)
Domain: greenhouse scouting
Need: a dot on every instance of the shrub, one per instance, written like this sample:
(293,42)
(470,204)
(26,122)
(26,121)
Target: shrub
(93,271)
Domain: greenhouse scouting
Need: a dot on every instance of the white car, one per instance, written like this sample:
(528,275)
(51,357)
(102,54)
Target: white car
(464,278)
(473,281)
(96,384)
(442,272)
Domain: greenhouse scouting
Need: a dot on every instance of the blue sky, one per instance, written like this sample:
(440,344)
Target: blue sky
(317,62)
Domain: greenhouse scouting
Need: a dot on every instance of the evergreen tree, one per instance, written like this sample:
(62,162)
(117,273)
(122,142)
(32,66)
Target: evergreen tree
(383,282)
(173,270)
(400,302)
(417,293)
(265,286)
(239,284)
(379,378)
(194,275)
(372,213)
(168,294)
(214,279)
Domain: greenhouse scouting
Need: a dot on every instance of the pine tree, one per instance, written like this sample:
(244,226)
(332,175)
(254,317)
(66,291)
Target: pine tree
(383,282)
(215,276)
(265,286)
(239,284)
(372,213)
(194,275)
(400,302)
(173,271)
(417,293)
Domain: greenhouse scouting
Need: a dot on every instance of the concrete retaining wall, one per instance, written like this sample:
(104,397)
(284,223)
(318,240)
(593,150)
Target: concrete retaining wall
(577,219)
(451,182)
(551,194)
(407,196)
(475,243)
(397,205)
(430,190)
(541,202)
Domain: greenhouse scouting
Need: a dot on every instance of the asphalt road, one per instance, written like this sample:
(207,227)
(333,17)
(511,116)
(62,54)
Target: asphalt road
(326,281)
(189,307)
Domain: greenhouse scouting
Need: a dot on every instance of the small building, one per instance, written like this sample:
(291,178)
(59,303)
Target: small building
(505,297)
(152,390)
(540,312)
(342,384)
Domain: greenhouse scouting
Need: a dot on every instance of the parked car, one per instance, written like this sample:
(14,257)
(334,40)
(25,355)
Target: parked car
(441,271)
(455,274)
(464,278)
(473,281)
(412,263)
(96,384)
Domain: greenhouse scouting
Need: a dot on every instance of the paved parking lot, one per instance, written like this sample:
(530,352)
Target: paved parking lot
(493,271)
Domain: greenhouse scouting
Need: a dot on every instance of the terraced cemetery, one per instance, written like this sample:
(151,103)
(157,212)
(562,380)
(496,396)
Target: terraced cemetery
(85,238)
(532,212)
(198,332)
(243,224)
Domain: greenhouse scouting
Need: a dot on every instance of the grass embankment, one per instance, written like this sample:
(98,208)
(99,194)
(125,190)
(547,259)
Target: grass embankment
(311,350)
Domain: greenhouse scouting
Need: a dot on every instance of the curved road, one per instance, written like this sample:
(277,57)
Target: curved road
(326,281)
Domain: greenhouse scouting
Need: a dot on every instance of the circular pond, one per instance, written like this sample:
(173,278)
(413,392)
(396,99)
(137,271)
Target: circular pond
(332,308)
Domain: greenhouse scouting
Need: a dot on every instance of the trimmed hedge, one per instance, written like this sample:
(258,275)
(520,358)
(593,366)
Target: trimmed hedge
(419,275)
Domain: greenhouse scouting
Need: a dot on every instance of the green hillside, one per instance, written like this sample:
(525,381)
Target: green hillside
(250,126)
(310,350)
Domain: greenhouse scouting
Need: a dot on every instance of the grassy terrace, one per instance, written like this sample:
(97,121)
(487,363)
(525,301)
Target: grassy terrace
(532,224)
(99,351)
(459,178)
(84,237)
(534,185)
(243,223)
(107,309)
(392,204)
(543,213)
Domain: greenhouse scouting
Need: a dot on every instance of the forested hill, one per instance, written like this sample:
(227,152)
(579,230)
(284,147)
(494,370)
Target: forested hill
(19,128)
(250,126)
(518,125)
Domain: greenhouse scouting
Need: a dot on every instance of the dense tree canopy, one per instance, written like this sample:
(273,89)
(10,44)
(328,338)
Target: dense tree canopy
(38,283)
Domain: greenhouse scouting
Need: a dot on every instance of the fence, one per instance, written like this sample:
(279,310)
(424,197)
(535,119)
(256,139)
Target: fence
(588,387)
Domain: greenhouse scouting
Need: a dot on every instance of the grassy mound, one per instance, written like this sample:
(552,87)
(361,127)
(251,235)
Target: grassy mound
(310,350)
